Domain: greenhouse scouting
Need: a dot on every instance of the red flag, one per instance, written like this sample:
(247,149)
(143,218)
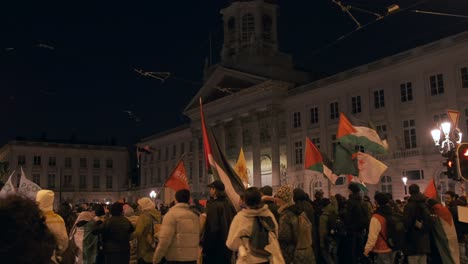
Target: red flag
(178,179)
(431,190)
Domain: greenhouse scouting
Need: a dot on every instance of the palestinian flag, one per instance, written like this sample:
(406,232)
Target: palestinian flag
(356,180)
(360,136)
(218,165)
(314,161)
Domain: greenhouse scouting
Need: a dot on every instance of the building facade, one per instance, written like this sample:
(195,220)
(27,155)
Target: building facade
(75,172)
(254,99)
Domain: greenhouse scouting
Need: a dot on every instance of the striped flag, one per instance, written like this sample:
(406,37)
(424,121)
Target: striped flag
(314,161)
(360,136)
(218,165)
(8,188)
(431,190)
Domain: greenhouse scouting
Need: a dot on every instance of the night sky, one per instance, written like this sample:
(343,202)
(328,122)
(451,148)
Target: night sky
(67,70)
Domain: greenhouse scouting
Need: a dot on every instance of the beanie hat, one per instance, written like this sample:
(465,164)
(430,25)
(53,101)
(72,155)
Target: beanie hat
(45,199)
(146,203)
(284,193)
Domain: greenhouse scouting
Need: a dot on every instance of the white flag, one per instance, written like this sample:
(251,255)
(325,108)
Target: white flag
(27,188)
(370,169)
(8,188)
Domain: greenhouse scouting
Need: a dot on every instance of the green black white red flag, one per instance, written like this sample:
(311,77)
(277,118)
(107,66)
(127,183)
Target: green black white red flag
(315,161)
(218,165)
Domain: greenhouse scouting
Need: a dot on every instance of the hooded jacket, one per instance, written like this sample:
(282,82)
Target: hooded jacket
(417,240)
(242,225)
(54,222)
(143,228)
(179,235)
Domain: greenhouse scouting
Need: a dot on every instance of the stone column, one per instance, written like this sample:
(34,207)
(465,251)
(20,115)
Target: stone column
(255,133)
(221,136)
(275,149)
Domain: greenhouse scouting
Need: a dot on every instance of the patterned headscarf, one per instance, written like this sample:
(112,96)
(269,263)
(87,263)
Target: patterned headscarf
(285,193)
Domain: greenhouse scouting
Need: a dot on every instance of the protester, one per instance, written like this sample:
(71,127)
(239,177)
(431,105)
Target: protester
(129,213)
(100,212)
(84,240)
(144,228)
(54,222)
(68,216)
(417,226)
(241,227)
(25,237)
(378,235)
(461,228)
(356,222)
(294,250)
(219,215)
(327,244)
(267,198)
(180,232)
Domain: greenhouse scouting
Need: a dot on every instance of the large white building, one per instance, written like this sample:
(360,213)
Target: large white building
(254,99)
(76,172)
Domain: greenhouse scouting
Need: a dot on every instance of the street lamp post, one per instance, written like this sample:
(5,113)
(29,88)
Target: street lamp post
(446,144)
(405,179)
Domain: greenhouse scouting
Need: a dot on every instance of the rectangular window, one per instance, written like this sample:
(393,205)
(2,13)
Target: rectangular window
(190,174)
(159,154)
(96,182)
(379,99)
(109,181)
(67,180)
(316,141)
(159,175)
(297,119)
(36,179)
(109,164)
(166,172)
(37,161)
(174,151)
(52,161)
(182,148)
(314,115)
(356,104)
(382,131)
(83,163)
(437,84)
(464,77)
(21,160)
(144,180)
(51,181)
(152,178)
(439,118)
(82,181)
(96,164)
(68,162)
(167,153)
(414,175)
(409,130)
(298,152)
(334,111)
(406,92)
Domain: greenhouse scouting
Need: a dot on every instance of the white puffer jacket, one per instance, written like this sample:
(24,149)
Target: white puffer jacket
(179,235)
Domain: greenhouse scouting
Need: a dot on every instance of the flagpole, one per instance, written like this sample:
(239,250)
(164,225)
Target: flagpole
(168,176)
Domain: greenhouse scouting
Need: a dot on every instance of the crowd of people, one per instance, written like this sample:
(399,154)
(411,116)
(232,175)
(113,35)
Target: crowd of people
(282,227)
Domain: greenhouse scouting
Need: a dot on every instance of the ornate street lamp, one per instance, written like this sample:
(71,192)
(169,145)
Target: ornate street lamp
(445,140)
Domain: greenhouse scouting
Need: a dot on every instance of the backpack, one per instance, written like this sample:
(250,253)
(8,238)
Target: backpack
(150,236)
(363,216)
(259,238)
(395,231)
(304,234)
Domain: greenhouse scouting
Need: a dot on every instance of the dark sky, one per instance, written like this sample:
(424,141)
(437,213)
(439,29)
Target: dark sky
(67,69)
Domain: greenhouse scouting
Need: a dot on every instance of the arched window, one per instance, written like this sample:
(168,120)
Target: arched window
(248,26)
(315,186)
(386,184)
(267,25)
(341,180)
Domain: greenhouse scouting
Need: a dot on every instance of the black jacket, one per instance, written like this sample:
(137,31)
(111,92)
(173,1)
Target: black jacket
(417,240)
(115,233)
(357,216)
(272,206)
(219,215)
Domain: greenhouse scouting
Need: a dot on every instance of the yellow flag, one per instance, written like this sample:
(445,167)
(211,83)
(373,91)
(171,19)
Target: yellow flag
(241,168)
